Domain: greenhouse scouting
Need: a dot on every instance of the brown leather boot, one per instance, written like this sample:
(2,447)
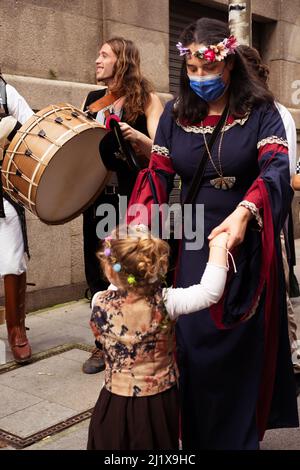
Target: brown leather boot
(14,290)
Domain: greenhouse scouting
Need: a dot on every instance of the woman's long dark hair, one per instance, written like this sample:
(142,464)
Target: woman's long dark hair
(246,90)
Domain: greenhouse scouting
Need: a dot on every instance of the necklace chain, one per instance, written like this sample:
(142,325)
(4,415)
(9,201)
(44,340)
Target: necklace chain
(220,171)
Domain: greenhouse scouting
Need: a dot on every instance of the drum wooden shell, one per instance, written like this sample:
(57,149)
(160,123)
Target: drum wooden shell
(52,166)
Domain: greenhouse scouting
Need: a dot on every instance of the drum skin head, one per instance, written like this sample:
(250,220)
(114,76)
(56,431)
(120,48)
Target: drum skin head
(73,178)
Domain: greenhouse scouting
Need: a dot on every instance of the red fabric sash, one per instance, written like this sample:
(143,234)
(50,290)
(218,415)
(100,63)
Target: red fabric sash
(271,314)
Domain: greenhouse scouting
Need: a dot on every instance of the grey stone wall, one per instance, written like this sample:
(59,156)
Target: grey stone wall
(55,39)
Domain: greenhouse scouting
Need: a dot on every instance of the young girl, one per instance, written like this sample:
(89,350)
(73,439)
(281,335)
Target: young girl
(138,405)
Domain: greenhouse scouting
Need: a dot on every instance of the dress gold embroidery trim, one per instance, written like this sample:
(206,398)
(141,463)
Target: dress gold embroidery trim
(163,151)
(273,139)
(210,129)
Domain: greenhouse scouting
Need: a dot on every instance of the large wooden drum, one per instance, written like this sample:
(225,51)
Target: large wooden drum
(52,166)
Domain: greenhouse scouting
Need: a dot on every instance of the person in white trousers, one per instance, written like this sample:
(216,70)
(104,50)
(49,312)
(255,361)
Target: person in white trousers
(14,111)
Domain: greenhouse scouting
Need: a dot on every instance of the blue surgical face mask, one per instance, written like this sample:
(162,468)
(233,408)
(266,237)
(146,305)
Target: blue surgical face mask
(209,88)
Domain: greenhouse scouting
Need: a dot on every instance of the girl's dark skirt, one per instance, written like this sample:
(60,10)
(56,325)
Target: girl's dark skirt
(135,423)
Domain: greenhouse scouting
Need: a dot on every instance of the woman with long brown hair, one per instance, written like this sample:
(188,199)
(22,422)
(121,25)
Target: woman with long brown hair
(134,102)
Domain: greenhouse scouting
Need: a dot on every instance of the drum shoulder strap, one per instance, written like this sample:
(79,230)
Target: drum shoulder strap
(102,103)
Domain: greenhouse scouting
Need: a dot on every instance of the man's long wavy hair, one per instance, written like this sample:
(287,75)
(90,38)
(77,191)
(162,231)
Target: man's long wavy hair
(245,90)
(129,81)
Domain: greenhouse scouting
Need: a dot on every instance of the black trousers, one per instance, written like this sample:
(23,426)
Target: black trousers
(93,273)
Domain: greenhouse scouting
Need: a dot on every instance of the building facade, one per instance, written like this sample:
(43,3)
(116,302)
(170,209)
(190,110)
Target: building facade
(48,52)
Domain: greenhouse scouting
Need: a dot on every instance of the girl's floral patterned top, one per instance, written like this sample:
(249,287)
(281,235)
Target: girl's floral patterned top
(138,342)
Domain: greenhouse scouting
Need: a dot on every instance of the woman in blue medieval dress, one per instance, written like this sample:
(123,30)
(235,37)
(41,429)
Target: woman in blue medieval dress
(236,376)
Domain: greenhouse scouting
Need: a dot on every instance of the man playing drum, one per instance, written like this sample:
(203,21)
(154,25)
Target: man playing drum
(14,111)
(129,96)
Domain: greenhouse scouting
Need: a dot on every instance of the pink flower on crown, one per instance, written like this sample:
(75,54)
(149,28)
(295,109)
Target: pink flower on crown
(209,55)
(231,44)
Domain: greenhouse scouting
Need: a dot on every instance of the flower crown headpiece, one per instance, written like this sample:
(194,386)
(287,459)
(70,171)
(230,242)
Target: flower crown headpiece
(211,53)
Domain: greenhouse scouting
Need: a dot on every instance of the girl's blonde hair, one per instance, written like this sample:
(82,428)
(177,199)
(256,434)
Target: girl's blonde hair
(143,259)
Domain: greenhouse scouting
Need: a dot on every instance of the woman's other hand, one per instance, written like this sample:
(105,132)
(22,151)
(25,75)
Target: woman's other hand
(235,226)
(140,142)
(129,133)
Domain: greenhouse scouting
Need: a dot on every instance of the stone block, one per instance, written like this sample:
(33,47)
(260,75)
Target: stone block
(76,313)
(296,215)
(87,8)
(152,15)
(41,92)
(57,380)
(77,259)
(51,330)
(154,50)
(50,248)
(14,400)
(296,115)
(76,226)
(282,42)
(76,355)
(285,82)
(268,9)
(53,41)
(74,438)
(2,315)
(290,11)
(35,418)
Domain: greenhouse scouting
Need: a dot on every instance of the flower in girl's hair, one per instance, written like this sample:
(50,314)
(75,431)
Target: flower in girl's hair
(117,267)
(131,280)
(107,252)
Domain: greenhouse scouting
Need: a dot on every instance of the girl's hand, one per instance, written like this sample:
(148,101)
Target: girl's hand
(221,240)
(235,226)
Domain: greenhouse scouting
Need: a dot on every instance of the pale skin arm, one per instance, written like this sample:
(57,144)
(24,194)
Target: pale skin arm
(235,226)
(218,249)
(142,143)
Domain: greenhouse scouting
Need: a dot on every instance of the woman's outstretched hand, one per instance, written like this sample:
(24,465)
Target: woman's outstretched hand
(235,226)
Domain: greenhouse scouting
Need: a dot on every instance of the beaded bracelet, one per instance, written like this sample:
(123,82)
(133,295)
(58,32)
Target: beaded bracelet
(254,211)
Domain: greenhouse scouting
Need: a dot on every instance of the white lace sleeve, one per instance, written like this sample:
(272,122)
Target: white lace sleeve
(17,106)
(197,297)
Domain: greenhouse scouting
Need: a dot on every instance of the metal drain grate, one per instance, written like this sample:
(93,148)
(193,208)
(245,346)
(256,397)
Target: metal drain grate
(20,442)
(45,354)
